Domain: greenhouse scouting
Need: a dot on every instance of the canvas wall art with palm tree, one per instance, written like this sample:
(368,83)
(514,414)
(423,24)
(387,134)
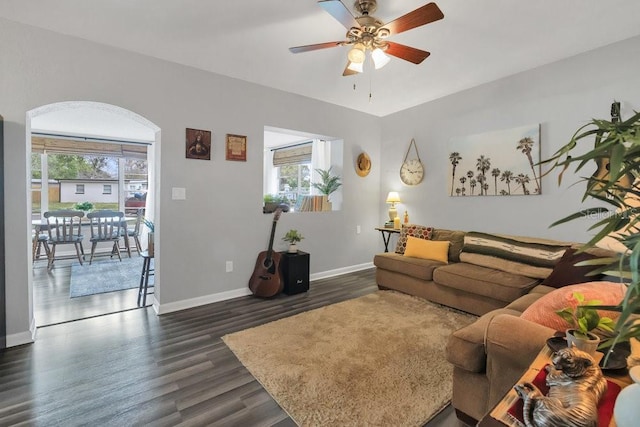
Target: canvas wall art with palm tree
(499,163)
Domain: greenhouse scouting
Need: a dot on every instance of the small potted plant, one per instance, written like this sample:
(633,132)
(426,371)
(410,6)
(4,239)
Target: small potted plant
(272,202)
(584,319)
(293,237)
(329,184)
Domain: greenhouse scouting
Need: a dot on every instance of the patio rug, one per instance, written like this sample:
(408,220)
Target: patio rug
(106,275)
(374,360)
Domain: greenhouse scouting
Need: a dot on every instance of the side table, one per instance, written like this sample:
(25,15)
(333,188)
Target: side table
(295,272)
(386,235)
(144,277)
(498,416)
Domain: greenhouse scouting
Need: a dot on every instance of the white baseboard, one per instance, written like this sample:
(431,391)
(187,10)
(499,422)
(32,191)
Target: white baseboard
(196,302)
(21,338)
(340,271)
(223,296)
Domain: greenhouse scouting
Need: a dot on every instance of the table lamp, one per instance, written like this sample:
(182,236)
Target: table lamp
(393,198)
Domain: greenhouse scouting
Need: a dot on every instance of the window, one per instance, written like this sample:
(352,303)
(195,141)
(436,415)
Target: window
(291,163)
(74,176)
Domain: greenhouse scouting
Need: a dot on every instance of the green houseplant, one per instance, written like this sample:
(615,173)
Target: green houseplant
(617,143)
(329,184)
(150,236)
(272,201)
(293,237)
(583,319)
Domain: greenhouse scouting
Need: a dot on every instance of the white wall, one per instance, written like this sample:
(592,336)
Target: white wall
(221,218)
(561,97)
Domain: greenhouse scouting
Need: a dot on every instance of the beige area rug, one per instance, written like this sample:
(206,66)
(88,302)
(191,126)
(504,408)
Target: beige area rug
(374,360)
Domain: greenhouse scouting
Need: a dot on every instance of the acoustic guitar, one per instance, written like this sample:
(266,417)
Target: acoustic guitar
(265,281)
(602,173)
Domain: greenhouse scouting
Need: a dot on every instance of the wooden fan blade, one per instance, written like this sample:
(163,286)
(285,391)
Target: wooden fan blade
(421,16)
(310,47)
(348,72)
(338,10)
(407,53)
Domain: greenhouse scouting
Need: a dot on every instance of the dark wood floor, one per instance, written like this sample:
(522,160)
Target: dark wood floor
(135,368)
(52,303)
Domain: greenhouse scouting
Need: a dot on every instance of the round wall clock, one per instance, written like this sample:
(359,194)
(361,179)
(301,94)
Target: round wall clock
(412,170)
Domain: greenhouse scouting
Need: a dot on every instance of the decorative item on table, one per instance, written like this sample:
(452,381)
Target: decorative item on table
(392,198)
(329,184)
(584,319)
(396,223)
(293,237)
(198,144)
(575,386)
(150,236)
(406,217)
(388,224)
(236,147)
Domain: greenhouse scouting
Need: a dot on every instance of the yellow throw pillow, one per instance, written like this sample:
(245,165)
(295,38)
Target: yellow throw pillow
(427,249)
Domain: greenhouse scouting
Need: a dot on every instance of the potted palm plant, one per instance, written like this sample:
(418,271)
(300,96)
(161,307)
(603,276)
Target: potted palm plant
(150,236)
(617,143)
(329,184)
(293,237)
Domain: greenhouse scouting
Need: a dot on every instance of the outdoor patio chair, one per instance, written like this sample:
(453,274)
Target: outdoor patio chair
(106,226)
(64,228)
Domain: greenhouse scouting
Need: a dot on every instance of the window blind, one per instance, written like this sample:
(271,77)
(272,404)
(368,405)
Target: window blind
(67,146)
(295,155)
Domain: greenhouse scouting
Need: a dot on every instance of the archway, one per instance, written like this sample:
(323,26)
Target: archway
(95,122)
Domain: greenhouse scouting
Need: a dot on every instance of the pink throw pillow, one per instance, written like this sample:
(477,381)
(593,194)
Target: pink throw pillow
(543,311)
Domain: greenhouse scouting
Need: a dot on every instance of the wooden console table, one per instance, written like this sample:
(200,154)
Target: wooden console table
(498,416)
(386,235)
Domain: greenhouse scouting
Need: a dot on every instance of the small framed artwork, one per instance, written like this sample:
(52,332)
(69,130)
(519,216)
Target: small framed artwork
(236,147)
(198,144)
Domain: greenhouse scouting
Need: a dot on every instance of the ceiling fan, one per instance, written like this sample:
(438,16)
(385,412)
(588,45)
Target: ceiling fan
(368,33)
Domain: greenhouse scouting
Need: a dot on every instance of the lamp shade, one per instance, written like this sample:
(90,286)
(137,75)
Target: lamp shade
(356,66)
(356,54)
(380,59)
(393,197)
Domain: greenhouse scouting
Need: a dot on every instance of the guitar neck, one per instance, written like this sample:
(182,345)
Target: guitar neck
(273,233)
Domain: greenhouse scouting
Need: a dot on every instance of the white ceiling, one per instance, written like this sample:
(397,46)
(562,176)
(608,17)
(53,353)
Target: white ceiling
(476,42)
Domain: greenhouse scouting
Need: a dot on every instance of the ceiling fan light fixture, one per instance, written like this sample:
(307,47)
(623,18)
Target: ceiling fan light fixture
(380,59)
(356,54)
(356,66)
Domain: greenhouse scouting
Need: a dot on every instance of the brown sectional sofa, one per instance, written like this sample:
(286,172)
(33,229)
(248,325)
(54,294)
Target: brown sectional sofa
(492,353)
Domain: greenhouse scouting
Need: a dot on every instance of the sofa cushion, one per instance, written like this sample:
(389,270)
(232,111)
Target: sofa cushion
(465,347)
(543,311)
(456,239)
(427,249)
(567,273)
(414,230)
(511,254)
(414,267)
(489,282)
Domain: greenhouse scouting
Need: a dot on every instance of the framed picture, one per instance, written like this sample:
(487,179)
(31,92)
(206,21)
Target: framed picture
(498,163)
(198,144)
(236,147)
